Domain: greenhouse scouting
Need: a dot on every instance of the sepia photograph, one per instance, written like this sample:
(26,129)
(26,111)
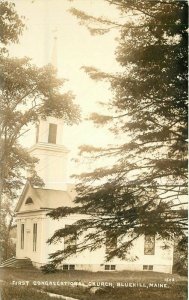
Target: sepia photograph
(93,149)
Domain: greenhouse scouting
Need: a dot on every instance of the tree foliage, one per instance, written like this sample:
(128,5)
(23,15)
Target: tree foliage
(27,93)
(7,245)
(11,24)
(143,191)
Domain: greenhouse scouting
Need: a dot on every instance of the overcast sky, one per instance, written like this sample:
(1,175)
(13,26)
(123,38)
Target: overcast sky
(75,48)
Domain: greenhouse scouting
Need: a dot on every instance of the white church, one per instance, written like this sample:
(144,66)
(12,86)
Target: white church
(34,227)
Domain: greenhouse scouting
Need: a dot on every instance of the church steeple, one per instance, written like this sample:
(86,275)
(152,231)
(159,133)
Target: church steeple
(54,53)
(49,148)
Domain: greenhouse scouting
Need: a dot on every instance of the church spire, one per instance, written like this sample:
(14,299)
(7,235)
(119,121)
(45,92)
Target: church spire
(54,50)
(49,148)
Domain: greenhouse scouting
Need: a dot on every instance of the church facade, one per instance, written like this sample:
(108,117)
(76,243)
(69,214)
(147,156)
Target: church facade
(34,227)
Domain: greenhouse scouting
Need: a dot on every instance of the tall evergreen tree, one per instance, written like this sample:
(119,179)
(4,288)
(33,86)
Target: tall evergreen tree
(143,191)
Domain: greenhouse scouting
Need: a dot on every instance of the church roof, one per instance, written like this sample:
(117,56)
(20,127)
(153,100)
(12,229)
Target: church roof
(41,198)
(54,198)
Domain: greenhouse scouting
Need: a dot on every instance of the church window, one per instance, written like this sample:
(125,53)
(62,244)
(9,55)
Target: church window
(111,242)
(37,133)
(110,267)
(52,133)
(29,200)
(148,267)
(34,237)
(72,267)
(65,267)
(149,244)
(70,240)
(68,267)
(22,236)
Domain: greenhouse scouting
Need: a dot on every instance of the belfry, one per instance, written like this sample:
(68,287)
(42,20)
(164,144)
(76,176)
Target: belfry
(52,154)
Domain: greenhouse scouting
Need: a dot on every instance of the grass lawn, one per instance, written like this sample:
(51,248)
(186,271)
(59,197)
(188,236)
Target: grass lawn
(176,288)
(21,293)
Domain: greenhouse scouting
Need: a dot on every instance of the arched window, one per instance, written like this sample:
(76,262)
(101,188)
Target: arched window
(149,244)
(29,200)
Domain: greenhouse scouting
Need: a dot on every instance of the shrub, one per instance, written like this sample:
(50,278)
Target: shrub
(48,268)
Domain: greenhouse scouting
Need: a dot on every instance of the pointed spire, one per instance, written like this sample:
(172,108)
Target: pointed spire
(54,50)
